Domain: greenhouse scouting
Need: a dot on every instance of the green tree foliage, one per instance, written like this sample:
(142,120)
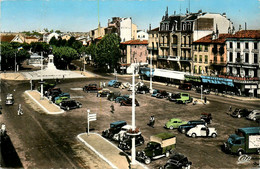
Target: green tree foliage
(71,41)
(53,41)
(38,47)
(64,56)
(108,52)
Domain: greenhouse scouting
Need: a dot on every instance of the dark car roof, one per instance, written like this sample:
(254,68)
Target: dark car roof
(177,157)
(197,121)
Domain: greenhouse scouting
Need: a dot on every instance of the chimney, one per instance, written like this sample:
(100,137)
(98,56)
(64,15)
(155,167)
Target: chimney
(149,27)
(240,28)
(245,26)
(224,14)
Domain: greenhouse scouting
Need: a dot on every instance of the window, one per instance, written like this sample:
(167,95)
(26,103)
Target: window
(143,36)
(195,47)
(138,36)
(246,45)
(238,45)
(231,57)
(215,58)
(206,58)
(255,58)
(195,58)
(230,44)
(206,47)
(200,47)
(238,55)
(255,45)
(200,58)
(246,57)
(222,59)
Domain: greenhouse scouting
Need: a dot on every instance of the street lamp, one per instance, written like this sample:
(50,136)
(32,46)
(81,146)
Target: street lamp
(15,64)
(151,78)
(41,76)
(133,154)
(201,92)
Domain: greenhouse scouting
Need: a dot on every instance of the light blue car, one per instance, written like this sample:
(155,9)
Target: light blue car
(111,83)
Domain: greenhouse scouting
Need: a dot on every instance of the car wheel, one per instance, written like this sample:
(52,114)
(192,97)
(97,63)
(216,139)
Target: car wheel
(147,160)
(171,127)
(141,142)
(167,154)
(254,119)
(193,135)
(80,106)
(183,131)
(240,152)
(67,108)
(239,116)
(214,135)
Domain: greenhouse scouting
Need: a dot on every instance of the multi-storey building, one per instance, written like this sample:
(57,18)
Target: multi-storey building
(209,54)
(243,60)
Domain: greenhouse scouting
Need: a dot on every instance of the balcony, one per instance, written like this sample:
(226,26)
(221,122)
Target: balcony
(255,50)
(187,59)
(217,63)
(237,50)
(174,45)
(173,58)
(230,49)
(152,48)
(185,45)
(154,57)
(246,50)
(162,57)
(164,45)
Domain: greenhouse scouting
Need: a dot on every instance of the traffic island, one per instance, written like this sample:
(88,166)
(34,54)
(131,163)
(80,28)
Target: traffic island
(45,104)
(107,151)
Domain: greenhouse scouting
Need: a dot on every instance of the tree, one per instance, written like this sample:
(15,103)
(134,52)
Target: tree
(108,52)
(77,45)
(71,41)
(64,56)
(53,41)
(38,47)
(58,31)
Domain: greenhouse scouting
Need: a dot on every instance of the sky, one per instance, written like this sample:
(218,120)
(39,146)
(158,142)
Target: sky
(83,15)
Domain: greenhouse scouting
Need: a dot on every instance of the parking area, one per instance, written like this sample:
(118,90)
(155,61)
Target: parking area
(203,152)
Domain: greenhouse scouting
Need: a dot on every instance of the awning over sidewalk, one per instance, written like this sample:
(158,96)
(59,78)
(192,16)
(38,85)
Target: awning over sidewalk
(217,80)
(170,74)
(190,78)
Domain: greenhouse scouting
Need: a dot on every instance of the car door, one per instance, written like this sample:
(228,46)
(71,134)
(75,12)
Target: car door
(158,150)
(203,131)
(174,124)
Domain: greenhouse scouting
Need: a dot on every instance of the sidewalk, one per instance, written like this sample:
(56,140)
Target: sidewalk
(49,108)
(115,157)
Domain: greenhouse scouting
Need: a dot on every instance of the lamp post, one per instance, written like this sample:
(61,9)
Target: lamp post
(15,62)
(41,76)
(88,120)
(133,162)
(151,78)
(201,92)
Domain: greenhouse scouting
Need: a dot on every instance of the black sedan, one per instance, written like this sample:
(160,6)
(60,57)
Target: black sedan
(177,161)
(70,104)
(126,144)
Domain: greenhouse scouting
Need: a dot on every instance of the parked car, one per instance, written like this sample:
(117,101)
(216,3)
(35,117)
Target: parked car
(162,94)
(128,102)
(177,161)
(207,117)
(254,115)
(120,98)
(62,95)
(174,96)
(174,123)
(126,144)
(155,91)
(160,145)
(186,127)
(70,104)
(104,92)
(185,86)
(143,89)
(240,113)
(46,86)
(120,135)
(115,127)
(60,99)
(184,98)
(117,84)
(9,99)
(124,85)
(54,92)
(113,96)
(91,88)
(202,131)
(111,83)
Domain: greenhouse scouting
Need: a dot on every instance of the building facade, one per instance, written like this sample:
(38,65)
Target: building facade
(243,60)
(142,35)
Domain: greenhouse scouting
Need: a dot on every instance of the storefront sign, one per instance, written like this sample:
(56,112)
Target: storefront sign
(250,86)
(192,78)
(245,82)
(217,80)
(240,78)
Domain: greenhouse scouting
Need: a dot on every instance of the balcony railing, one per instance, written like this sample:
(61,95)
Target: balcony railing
(173,58)
(246,50)
(237,50)
(162,57)
(174,45)
(185,58)
(255,50)
(186,45)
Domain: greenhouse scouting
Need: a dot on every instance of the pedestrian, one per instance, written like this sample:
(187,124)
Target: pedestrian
(205,100)
(20,110)
(207,131)
(152,121)
(112,108)
(230,109)
(104,84)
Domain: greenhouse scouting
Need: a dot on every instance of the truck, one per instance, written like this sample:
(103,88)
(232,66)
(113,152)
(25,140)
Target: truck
(245,141)
(184,98)
(160,145)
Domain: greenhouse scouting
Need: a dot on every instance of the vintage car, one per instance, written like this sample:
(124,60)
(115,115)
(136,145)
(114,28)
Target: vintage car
(111,83)
(126,144)
(173,97)
(9,99)
(104,92)
(120,98)
(124,85)
(53,91)
(162,94)
(60,99)
(120,136)
(46,86)
(91,88)
(184,98)
(70,104)
(113,96)
(207,117)
(62,95)
(186,127)
(143,89)
(185,86)
(174,123)
(254,115)
(115,127)
(117,84)
(240,113)
(128,102)
(202,131)
(155,92)
(177,161)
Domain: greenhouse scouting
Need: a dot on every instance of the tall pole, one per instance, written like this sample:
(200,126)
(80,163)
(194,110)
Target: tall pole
(84,62)
(15,62)
(151,78)
(41,76)
(133,162)
(201,92)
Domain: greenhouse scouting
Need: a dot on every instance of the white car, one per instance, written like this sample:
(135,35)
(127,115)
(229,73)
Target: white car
(120,136)
(9,99)
(124,85)
(203,131)
(255,114)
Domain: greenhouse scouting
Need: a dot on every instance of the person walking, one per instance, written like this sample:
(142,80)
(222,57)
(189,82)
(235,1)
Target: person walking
(20,110)
(152,121)
(112,108)
(205,100)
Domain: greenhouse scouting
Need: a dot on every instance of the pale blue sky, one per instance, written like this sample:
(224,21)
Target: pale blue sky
(82,15)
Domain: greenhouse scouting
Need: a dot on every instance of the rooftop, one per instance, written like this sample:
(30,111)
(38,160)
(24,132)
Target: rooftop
(247,34)
(135,42)
(7,38)
(208,39)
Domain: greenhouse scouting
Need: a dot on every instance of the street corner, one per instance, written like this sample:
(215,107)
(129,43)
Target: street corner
(45,104)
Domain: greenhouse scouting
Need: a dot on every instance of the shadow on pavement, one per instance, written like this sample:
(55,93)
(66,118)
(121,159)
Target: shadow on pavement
(9,157)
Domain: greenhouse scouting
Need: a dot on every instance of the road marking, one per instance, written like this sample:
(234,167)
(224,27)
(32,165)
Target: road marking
(76,88)
(77,97)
